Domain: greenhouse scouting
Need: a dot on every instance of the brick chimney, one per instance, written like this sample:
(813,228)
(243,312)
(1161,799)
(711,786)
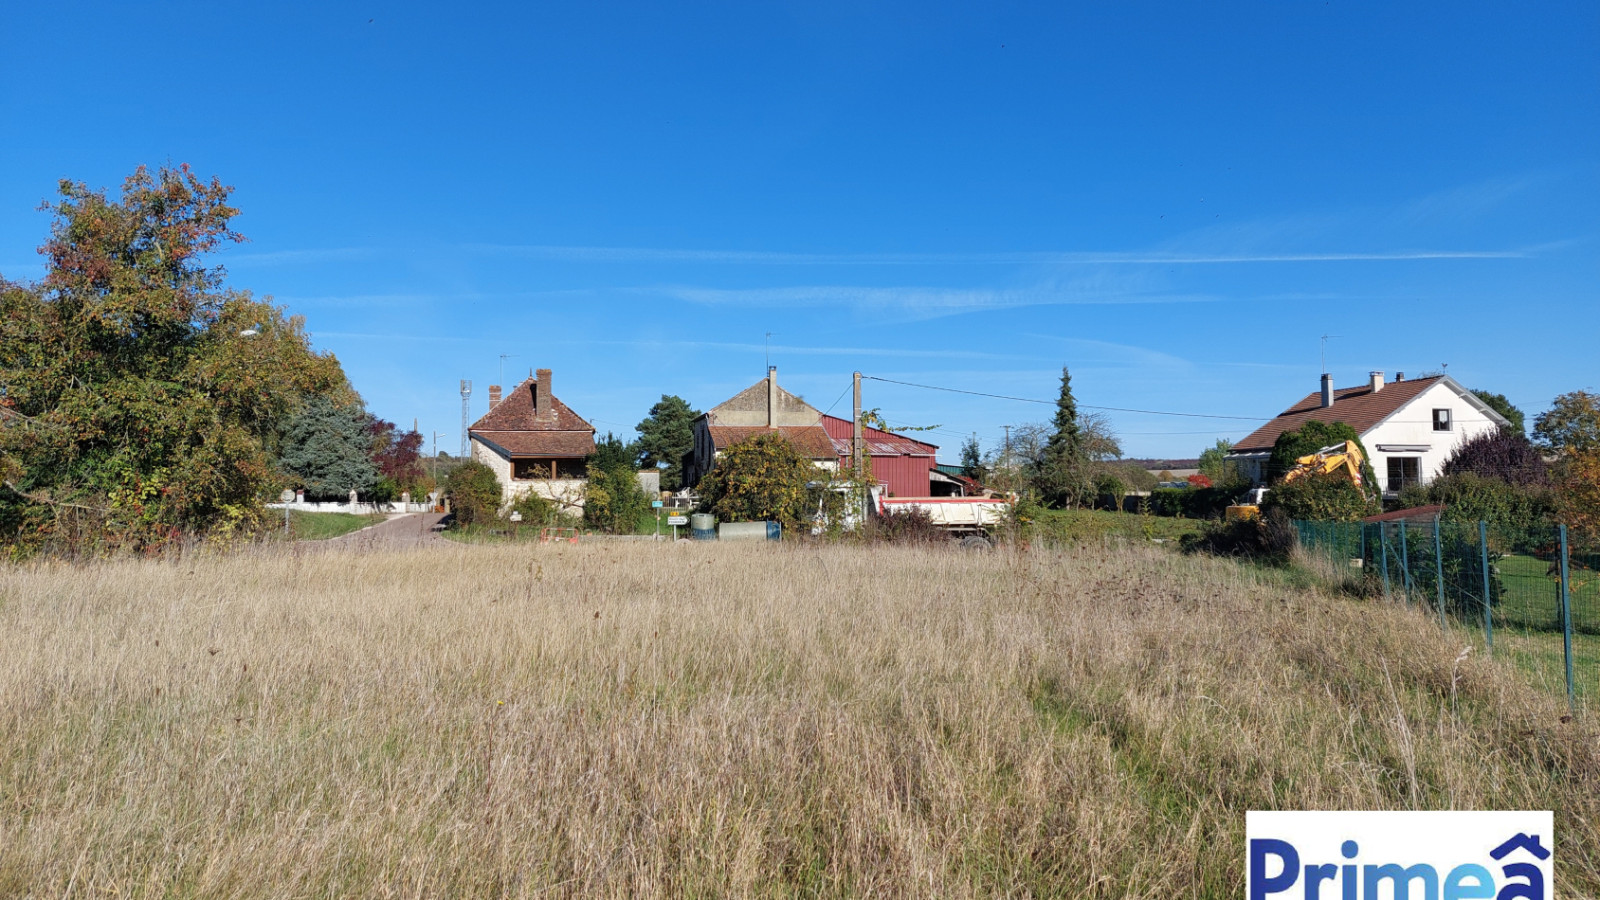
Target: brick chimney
(1327,390)
(1375,381)
(772,396)
(494,395)
(544,408)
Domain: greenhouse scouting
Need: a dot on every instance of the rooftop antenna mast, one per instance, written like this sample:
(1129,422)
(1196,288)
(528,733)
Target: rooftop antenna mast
(768,346)
(466,420)
(1325,351)
(503,358)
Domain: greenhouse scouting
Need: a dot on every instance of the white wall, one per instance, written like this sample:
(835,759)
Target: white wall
(1412,424)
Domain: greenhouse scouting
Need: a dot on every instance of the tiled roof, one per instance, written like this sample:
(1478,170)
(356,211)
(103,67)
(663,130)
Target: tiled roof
(516,413)
(1359,407)
(1410,516)
(810,440)
(542,444)
(878,443)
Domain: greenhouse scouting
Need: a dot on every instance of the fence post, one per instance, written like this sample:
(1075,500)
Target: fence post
(1405,563)
(1438,567)
(1383,547)
(1483,554)
(1566,615)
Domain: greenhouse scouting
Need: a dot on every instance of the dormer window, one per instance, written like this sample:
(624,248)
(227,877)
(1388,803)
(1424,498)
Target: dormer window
(1441,420)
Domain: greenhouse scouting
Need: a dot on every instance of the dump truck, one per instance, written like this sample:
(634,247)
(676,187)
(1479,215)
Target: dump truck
(1340,462)
(972,521)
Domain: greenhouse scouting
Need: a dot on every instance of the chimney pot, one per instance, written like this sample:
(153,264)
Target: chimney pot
(544,408)
(494,395)
(1327,390)
(1375,381)
(1399,377)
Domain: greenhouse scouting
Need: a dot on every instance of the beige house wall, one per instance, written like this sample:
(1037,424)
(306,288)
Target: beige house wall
(566,492)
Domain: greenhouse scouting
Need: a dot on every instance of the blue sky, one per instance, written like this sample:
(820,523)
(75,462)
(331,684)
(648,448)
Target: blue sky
(1175,200)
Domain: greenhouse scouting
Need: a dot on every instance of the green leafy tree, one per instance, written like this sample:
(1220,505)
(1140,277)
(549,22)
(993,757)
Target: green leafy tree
(1572,423)
(1214,463)
(762,478)
(327,450)
(474,493)
(612,498)
(667,436)
(1062,477)
(1501,405)
(140,398)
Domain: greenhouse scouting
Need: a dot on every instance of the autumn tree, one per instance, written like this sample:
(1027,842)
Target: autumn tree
(666,436)
(142,398)
(762,478)
(398,456)
(1571,423)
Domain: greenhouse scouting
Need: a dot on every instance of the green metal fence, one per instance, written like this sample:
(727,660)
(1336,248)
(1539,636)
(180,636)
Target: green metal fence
(1527,593)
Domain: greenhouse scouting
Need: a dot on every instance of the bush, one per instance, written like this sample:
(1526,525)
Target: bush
(1320,500)
(612,498)
(1270,539)
(1192,503)
(1523,513)
(907,526)
(474,493)
(535,509)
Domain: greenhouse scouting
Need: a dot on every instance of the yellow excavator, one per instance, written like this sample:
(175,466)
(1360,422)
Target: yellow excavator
(1341,462)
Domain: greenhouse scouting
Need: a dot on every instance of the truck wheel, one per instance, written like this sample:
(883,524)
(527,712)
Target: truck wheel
(975,542)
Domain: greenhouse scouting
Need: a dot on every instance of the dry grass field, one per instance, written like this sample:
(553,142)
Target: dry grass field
(633,719)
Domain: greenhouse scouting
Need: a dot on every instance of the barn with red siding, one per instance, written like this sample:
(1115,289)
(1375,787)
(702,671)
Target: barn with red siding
(900,463)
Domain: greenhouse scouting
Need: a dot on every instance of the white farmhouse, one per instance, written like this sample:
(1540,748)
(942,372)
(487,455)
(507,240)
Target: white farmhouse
(1408,427)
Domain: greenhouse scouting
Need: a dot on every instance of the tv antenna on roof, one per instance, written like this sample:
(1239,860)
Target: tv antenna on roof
(768,346)
(503,358)
(1325,351)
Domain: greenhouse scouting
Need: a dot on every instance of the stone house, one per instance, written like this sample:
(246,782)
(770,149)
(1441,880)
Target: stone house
(761,407)
(534,443)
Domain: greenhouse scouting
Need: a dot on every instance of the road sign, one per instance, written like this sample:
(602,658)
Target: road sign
(655,504)
(677,520)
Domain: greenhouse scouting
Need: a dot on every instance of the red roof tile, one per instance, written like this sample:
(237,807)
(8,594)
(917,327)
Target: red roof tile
(516,413)
(810,440)
(1358,407)
(541,444)
(514,426)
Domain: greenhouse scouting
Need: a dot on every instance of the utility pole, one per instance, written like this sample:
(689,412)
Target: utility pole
(433,461)
(466,417)
(857,435)
(1005,455)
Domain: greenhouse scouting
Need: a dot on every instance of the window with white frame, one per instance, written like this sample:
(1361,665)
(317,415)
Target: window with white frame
(1441,420)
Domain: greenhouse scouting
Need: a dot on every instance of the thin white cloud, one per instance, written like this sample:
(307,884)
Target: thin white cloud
(298,257)
(1154,258)
(921,301)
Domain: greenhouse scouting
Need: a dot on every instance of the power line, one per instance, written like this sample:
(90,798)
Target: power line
(1149,412)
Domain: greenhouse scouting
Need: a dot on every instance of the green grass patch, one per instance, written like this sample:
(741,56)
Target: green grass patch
(319,526)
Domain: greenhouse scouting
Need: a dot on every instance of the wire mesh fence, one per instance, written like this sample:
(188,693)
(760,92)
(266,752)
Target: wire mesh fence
(1527,593)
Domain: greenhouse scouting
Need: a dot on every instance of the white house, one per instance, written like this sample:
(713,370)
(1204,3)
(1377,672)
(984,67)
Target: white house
(1408,427)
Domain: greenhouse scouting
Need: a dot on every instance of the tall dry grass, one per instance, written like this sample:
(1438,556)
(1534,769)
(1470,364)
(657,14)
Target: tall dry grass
(636,719)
